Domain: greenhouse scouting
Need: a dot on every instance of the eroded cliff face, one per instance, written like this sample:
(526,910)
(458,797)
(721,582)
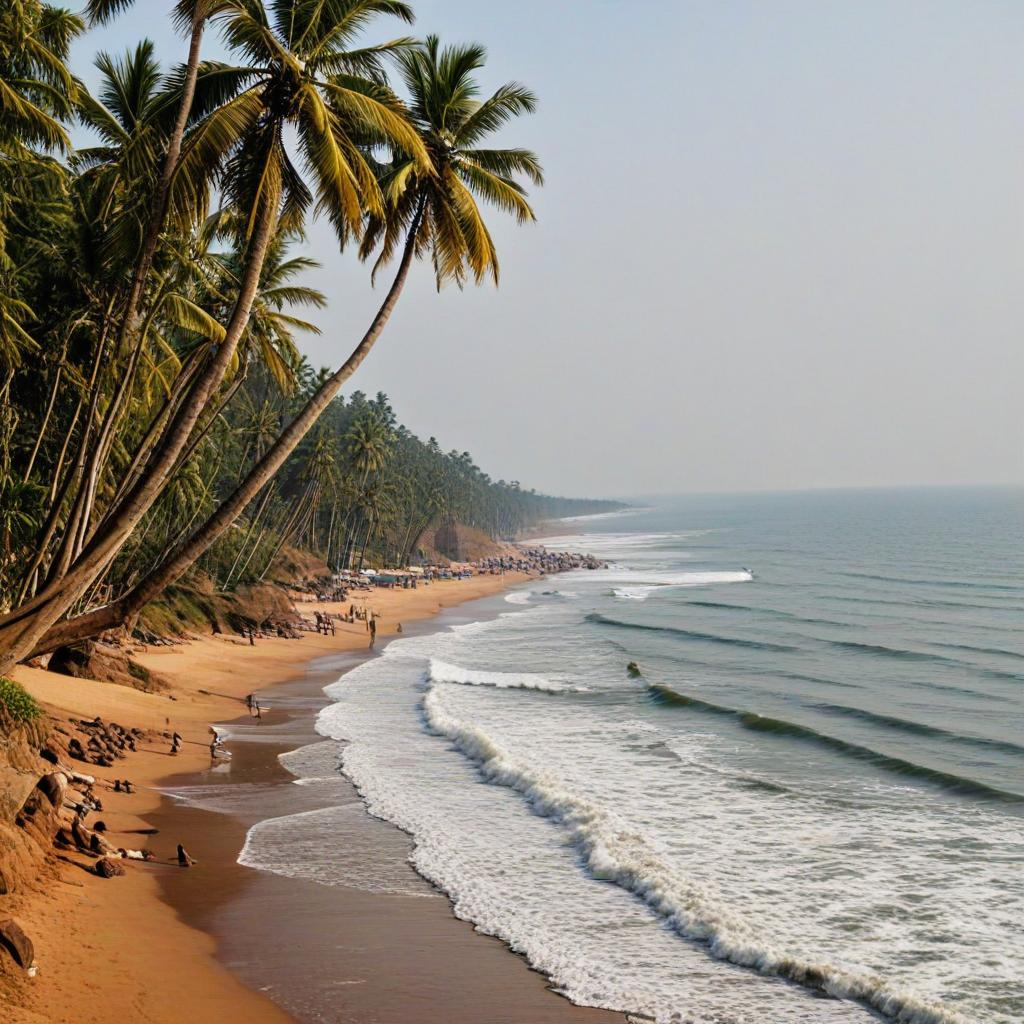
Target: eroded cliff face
(24,843)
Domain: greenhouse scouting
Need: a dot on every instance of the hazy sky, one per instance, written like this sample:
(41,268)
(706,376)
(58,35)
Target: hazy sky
(780,246)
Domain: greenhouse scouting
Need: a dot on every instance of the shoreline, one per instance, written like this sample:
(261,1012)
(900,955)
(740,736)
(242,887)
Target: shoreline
(220,917)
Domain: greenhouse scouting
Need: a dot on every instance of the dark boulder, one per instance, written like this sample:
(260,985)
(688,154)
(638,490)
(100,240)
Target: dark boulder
(53,787)
(107,868)
(17,943)
(81,835)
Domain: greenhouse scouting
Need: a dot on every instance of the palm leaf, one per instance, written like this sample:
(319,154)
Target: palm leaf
(184,313)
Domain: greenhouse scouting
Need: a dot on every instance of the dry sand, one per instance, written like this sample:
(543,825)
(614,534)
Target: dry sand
(151,946)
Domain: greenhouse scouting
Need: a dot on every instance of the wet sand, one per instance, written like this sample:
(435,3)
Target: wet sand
(330,953)
(154,946)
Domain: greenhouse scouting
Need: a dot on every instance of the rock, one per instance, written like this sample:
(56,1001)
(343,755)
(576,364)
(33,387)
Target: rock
(97,844)
(107,868)
(17,943)
(81,835)
(53,787)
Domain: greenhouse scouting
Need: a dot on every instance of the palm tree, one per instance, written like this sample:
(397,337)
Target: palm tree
(367,443)
(36,93)
(301,78)
(434,203)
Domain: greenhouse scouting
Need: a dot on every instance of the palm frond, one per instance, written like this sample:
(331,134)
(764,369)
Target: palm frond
(184,313)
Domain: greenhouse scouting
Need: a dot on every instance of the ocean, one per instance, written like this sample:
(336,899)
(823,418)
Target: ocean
(807,807)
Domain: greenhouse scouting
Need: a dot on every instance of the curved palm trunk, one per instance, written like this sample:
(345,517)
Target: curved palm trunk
(116,614)
(366,540)
(22,629)
(162,192)
(31,619)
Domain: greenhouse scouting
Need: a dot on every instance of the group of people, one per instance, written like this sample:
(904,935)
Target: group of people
(326,621)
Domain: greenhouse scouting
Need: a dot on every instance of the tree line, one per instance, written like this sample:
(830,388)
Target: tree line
(154,408)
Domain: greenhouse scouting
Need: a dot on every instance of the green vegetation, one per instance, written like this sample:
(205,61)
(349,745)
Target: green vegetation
(155,412)
(16,702)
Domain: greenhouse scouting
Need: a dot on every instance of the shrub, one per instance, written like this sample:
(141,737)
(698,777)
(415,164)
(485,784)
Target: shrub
(18,704)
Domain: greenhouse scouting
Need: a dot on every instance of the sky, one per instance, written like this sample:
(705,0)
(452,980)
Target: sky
(779,246)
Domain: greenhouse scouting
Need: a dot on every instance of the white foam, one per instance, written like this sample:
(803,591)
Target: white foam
(442,672)
(616,852)
(513,874)
(873,889)
(606,543)
(518,597)
(334,846)
(644,583)
(616,514)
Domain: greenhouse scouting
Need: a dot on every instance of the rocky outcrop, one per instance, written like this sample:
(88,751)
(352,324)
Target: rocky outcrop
(456,542)
(107,663)
(21,769)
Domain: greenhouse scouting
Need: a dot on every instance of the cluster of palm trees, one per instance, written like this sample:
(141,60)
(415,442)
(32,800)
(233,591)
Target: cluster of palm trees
(361,485)
(150,385)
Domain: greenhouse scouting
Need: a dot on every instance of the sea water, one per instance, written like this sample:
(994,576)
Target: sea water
(808,807)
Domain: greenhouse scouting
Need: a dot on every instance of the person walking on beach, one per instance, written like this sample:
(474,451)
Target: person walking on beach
(372,626)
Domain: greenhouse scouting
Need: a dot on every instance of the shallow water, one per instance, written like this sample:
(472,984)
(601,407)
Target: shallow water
(809,806)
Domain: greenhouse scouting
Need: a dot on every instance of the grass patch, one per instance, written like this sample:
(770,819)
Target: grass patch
(18,704)
(140,672)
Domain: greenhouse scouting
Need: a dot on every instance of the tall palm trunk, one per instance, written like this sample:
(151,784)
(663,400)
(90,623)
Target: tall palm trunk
(27,622)
(21,630)
(91,623)
(366,540)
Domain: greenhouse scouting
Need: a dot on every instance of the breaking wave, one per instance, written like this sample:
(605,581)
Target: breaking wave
(640,584)
(615,852)
(442,672)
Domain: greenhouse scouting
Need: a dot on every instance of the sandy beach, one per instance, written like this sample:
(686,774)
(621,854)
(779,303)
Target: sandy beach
(107,947)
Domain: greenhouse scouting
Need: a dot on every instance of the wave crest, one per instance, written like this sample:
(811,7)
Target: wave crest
(616,852)
(442,672)
(762,723)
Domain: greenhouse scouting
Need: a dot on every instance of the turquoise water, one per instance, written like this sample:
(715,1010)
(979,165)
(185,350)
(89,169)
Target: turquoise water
(808,807)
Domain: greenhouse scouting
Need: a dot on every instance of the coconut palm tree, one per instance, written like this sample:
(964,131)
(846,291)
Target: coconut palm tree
(431,208)
(433,204)
(303,80)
